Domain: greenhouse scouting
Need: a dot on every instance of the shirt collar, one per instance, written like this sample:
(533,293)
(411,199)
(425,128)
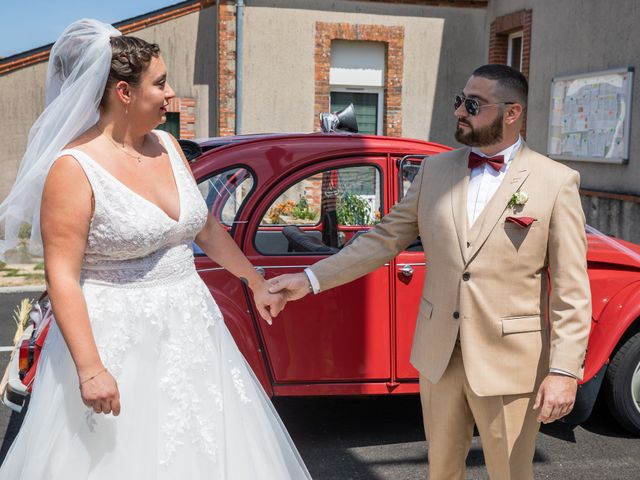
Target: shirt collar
(508,152)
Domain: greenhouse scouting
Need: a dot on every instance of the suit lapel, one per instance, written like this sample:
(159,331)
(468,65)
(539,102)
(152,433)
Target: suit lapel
(459,189)
(514,178)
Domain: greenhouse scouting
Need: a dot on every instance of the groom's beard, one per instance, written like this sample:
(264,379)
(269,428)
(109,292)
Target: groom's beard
(482,137)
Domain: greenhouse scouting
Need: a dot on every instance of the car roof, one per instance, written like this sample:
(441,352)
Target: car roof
(208,144)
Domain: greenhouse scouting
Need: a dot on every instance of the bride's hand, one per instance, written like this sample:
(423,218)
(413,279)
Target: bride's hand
(100,392)
(269,304)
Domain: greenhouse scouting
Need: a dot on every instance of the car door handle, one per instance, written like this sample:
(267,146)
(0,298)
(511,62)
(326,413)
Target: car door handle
(407,271)
(261,271)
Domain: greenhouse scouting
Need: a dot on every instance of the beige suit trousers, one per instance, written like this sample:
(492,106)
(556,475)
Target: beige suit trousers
(507,425)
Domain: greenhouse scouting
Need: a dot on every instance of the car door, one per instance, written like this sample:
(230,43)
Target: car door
(225,193)
(409,271)
(341,335)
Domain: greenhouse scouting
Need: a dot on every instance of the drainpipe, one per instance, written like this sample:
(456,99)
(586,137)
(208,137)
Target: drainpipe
(239,62)
(217,82)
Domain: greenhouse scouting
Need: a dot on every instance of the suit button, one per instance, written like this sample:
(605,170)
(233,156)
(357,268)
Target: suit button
(456,315)
(466,276)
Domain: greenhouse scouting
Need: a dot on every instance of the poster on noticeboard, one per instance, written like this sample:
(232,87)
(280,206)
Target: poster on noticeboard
(589,117)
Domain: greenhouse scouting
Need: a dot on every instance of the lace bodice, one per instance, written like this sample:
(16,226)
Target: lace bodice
(133,241)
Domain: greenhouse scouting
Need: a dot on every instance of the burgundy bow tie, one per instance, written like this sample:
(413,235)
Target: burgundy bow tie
(476,160)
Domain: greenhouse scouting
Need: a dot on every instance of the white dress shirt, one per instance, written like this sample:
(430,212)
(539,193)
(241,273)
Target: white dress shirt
(484,181)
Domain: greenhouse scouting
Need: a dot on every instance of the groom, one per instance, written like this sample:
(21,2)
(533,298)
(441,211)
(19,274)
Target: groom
(505,312)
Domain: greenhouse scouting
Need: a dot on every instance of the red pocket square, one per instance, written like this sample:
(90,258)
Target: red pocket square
(523,222)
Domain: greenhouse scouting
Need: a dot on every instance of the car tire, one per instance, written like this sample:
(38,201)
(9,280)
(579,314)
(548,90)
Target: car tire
(622,385)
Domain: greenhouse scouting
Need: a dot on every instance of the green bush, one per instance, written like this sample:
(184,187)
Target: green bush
(24,232)
(302,210)
(352,210)
(39,266)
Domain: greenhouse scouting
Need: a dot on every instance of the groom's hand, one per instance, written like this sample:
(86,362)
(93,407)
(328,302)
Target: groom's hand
(556,397)
(293,286)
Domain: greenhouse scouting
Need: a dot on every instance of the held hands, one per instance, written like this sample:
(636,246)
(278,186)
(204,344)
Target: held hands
(555,398)
(293,286)
(99,391)
(268,304)
(271,296)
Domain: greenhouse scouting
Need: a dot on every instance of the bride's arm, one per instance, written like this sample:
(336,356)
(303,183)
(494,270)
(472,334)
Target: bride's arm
(64,219)
(220,247)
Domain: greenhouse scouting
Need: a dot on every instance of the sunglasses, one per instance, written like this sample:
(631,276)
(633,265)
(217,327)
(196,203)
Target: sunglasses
(472,106)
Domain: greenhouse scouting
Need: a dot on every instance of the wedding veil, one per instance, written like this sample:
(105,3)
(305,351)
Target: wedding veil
(79,65)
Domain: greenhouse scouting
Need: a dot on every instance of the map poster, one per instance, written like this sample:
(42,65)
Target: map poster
(589,117)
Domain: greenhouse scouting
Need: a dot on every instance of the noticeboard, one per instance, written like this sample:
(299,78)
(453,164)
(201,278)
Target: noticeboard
(589,117)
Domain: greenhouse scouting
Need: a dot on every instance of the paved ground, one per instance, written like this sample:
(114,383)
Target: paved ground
(382,438)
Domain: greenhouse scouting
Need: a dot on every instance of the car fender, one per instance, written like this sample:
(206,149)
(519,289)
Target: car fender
(616,318)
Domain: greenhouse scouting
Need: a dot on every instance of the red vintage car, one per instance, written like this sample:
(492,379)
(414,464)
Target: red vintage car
(291,200)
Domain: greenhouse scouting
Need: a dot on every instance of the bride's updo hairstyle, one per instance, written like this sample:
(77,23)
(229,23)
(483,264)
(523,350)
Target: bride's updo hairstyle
(129,59)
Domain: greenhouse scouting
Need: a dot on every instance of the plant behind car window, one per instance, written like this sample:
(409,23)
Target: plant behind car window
(284,212)
(353,210)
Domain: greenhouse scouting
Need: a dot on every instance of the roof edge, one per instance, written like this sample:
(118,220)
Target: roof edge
(162,15)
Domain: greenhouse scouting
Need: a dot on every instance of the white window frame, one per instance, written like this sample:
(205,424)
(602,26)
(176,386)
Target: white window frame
(512,36)
(378,90)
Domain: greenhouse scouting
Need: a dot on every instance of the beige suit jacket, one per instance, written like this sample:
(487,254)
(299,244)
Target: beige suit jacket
(488,283)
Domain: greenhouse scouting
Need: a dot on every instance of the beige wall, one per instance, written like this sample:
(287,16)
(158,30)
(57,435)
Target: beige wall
(22,100)
(580,36)
(188,47)
(441,47)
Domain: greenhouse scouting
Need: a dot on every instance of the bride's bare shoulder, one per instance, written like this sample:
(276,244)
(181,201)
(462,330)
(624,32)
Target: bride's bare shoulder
(66,170)
(67,166)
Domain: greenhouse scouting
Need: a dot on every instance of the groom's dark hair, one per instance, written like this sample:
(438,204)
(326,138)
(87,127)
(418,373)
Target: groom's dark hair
(511,85)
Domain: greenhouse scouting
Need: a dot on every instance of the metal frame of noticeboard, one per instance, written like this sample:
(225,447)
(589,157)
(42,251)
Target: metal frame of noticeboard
(590,116)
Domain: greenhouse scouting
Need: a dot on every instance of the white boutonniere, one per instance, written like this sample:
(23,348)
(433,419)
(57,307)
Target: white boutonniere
(518,199)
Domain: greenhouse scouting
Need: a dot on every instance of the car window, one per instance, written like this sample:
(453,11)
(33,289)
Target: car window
(320,213)
(408,170)
(226,192)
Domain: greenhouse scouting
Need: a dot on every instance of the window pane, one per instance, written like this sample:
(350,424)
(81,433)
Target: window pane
(299,205)
(225,193)
(516,53)
(366,107)
(316,215)
(409,171)
(358,196)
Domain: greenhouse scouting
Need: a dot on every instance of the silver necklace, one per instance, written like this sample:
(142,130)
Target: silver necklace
(137,157)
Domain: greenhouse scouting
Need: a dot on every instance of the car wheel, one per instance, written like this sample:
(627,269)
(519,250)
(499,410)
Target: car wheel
(623,385)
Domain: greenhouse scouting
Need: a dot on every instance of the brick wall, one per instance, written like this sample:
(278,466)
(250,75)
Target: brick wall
(186,108)
(392,37)
(227,68)
(501,27)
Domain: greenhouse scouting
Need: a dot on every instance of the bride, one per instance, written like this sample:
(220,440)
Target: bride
(139,377)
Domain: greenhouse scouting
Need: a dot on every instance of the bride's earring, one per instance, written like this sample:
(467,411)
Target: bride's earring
(126,108)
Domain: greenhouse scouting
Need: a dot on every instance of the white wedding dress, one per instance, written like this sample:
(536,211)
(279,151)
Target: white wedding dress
(192,408)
